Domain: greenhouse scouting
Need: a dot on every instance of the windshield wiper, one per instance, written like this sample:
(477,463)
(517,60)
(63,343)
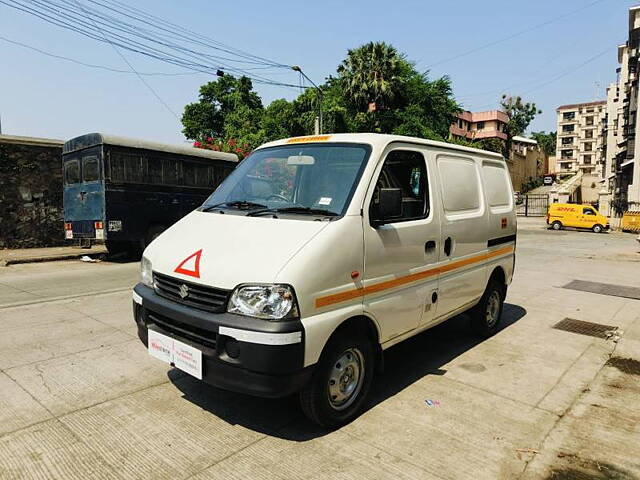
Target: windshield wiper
(239,204)
(301,210)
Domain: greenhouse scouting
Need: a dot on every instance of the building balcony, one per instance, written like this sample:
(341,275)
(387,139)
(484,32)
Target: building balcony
(567,134)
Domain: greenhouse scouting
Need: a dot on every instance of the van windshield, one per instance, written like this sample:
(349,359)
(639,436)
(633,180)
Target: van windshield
(301,179)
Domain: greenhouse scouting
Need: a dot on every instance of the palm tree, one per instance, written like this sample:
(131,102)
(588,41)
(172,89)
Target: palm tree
(372,73)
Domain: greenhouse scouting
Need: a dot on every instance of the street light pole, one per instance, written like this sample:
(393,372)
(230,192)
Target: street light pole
(296,68)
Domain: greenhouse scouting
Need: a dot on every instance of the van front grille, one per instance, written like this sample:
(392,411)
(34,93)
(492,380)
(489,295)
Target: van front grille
(198,296)
(181,330)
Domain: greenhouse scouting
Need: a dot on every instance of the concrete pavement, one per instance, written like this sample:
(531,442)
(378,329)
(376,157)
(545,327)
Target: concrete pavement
(80,397)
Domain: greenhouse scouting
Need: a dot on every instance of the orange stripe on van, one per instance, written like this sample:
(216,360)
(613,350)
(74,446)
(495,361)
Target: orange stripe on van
(396,282)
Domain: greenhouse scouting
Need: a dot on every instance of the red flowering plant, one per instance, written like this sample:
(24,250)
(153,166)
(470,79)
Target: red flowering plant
(229,145)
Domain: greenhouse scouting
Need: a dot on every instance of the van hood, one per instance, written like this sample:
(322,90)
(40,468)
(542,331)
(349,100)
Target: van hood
(226,250)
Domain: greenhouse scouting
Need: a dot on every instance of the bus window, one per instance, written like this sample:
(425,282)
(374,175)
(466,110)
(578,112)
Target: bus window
(169,171)
(72,171)
(154,171)
(90,169)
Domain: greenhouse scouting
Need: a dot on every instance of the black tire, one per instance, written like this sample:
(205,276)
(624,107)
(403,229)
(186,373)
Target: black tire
(597,228)
(486,315)
(556,225)
(316,399)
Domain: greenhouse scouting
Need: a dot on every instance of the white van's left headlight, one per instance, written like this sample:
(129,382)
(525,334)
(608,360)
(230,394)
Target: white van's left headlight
(146,273)
(272,302)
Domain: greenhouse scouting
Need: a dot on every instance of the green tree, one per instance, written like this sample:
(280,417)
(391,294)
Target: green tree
(520,116)
(373,73)
(546,141)
(227,108)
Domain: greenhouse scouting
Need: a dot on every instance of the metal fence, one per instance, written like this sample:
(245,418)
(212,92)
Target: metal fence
(532,205)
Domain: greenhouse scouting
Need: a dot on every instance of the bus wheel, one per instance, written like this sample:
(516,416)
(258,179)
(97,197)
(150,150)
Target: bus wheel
(556,225)
(597,228)
(153,233)
(339,386)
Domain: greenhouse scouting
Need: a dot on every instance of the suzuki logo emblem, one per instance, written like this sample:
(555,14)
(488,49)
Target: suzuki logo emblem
(184,291)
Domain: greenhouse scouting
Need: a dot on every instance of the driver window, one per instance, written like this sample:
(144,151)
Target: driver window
(406,170)
(588,211)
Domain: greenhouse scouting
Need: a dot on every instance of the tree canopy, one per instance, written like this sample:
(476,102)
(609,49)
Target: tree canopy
(520,115)
(375,89)
(546,141)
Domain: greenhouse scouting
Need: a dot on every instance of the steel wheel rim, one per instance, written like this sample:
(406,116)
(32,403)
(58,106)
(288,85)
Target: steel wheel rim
(493,308)
(345,379)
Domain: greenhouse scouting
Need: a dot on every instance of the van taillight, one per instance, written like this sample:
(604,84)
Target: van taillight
(98,225)
(67,226)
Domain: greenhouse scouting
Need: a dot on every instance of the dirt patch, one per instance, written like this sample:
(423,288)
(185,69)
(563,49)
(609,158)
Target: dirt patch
(625,365)
(585,469)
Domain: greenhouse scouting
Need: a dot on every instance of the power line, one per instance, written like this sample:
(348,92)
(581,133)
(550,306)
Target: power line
(131,66)
(92,65)
(513,35)
(122,34)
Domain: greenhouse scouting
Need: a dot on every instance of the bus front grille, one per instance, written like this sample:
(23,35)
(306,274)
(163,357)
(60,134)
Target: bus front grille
(198,296)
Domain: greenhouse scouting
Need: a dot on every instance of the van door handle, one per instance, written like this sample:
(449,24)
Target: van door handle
(447,246)
(430,245)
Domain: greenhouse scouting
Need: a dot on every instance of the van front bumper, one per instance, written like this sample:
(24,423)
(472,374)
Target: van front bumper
(241,354)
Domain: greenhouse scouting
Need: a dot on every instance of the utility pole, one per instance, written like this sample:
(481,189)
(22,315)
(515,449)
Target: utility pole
(318,128)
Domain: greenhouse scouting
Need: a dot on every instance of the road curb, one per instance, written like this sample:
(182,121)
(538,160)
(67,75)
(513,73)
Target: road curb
(51,258)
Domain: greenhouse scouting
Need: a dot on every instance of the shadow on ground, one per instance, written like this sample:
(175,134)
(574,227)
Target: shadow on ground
(425,354)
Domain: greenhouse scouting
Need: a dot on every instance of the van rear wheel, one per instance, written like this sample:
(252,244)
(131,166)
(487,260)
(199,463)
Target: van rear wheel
(342,380)
(597,228)
(556,225)
(486,315)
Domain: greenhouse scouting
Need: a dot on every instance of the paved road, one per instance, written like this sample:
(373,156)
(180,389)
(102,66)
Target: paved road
(80,397)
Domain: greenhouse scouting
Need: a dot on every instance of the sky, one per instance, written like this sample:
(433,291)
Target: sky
(539,50)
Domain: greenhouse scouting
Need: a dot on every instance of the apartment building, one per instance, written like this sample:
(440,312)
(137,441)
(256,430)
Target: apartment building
(621,158)
(581,138)
(480,125)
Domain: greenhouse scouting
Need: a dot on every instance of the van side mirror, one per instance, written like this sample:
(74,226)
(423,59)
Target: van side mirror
(388,207)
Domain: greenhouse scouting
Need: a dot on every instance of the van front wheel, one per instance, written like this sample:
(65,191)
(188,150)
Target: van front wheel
(339,386)
(597,228)
(486,315)
(556,225)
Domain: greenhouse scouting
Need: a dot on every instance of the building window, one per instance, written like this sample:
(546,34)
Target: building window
(459,123)
(590,120)
(588,134)
(568,128)
(588,147)
(567,154)
(567,141)
(586,159)
(480,126)
(568,115)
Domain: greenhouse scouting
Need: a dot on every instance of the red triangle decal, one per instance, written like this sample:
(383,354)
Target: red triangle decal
(196,269)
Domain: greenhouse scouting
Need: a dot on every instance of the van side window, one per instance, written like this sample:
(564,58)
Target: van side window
(588,211)
(407,171)
(460,184)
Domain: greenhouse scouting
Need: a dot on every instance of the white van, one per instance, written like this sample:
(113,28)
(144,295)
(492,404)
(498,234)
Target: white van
(318,253)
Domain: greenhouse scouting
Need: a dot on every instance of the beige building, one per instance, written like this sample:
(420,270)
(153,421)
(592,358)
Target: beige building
(527,163)
(622,171)
(580,138)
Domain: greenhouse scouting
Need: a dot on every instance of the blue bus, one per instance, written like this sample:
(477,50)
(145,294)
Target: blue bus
(126,191)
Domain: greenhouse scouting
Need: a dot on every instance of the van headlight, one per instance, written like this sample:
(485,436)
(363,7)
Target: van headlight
(146,274)
(272,302)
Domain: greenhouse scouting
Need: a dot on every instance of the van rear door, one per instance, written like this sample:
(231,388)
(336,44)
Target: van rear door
(83,193)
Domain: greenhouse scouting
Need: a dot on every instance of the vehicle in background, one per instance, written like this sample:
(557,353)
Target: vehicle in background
(317,254)
(562,215)
(127,191)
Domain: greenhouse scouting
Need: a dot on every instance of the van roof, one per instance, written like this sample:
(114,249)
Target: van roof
(378,140)
(93,139)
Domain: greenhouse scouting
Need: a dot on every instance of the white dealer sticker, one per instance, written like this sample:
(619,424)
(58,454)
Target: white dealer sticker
(175,352)
(325,201)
